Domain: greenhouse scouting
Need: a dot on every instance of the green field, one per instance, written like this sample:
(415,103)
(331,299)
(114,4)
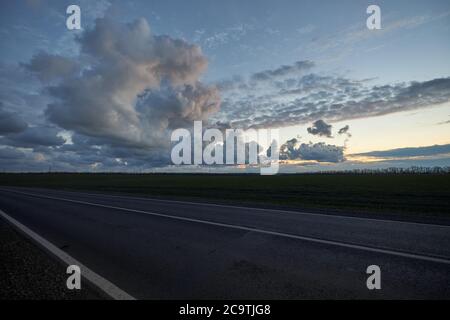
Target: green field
(426,194)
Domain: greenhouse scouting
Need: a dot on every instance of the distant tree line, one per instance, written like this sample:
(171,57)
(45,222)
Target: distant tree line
(392,170)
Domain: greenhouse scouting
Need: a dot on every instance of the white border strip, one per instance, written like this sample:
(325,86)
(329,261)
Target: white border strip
(261,231)
(110,289)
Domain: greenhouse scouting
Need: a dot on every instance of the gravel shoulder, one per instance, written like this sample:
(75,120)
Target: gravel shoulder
(29,273)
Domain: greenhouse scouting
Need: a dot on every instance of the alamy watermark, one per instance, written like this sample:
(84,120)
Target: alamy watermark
(73,21)
(231,147)
(373,22)
(374,280)
(74,280)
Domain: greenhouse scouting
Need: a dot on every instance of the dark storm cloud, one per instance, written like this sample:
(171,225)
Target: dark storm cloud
(12,159)
(320,128)
(409,152)
(320,152)
(34,137)
(10,122)
(89,150)
(344,130)
(8,153)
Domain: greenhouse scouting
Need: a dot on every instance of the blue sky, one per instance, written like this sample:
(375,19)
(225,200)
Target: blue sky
(240,37)
(370,71)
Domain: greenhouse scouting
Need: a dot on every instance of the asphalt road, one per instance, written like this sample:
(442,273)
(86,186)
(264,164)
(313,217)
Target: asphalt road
(158,249)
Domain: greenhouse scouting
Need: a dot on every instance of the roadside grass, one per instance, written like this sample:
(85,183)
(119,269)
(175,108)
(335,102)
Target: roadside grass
(422,194)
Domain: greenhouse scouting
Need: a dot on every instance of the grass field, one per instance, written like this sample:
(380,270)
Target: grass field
(427,194)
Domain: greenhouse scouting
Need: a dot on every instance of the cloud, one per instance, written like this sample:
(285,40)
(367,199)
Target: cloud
(409,152)
(15,160)
(341,43)
(169,108)
(110,107)
(124,88)
(133,86)
(283,71)
(49,67)
(10,154)
(320,152)
(220,38)
(261,80)
(344,130)
(34,137)
(10,122)
(320,128)
(22,94)
(306,98)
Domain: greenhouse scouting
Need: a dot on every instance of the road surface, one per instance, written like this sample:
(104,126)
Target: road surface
(161,249)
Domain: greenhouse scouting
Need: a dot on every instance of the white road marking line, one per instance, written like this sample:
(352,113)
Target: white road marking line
(332,216)
(110,289)
(256,230)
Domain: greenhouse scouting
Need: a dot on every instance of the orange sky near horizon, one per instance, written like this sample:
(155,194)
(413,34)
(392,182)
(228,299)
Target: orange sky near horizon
(416,128)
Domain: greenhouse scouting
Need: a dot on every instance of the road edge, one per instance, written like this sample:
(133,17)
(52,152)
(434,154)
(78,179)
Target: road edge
(92,277)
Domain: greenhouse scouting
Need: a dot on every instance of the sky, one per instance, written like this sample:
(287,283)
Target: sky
(107,97)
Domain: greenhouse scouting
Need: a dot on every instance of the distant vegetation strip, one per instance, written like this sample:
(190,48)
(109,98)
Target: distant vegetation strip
(423,194)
